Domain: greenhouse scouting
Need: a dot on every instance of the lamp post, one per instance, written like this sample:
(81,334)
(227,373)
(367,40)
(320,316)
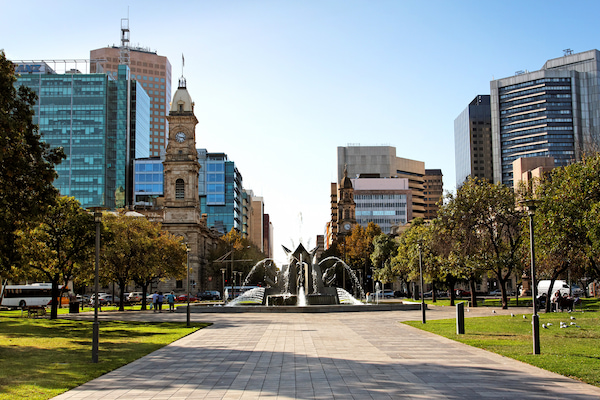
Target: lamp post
(95,327)
(535,320)
(422,288)
(187,249)
(223,293)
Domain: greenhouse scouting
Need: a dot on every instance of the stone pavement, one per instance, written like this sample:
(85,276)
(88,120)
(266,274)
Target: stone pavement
(366,355)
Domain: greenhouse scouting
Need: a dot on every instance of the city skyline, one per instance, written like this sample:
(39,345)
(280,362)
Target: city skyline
(278,86)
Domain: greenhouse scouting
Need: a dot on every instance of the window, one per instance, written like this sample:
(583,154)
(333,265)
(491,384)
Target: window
(179,189)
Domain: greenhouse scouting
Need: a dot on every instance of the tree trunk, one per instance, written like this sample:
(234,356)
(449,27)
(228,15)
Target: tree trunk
(55,299)
(122,285)
(433,297)
(144,295)
(473,292)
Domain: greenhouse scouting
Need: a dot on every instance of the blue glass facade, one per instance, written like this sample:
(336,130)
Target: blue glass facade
(80,113)
(219,187)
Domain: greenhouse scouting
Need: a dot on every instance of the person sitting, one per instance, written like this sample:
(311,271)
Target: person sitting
(555,299)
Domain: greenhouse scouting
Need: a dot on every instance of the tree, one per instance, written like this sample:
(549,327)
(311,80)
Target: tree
(59,246)
(491,225)
(567,226)
(384,249)
(165,257)
(137,248)
(26,165)
(414,243)
(358,246)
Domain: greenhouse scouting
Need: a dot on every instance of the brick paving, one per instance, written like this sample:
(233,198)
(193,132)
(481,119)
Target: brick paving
(365,355)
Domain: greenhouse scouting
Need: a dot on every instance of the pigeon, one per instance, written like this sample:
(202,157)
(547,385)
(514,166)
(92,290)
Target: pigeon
(549,324)
(468,310)
(512,315)
(493,311)
(572,317)
(544,326)
(573,323)
(524,317)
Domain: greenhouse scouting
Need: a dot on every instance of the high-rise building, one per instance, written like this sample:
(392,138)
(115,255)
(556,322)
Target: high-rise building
(434,192)
(473,141)
(154,74)
(101,121)
(382,162)
(551,112)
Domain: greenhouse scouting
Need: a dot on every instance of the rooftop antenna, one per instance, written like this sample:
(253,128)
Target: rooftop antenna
(124,54)
(567,52)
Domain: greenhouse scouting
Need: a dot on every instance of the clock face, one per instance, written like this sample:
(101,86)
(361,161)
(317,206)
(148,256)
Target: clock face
(180,137)
(347,226)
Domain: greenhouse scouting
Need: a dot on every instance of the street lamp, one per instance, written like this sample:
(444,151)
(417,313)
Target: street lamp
(531,205)
(223,293)
(95,326)
(187,249)
(422,288)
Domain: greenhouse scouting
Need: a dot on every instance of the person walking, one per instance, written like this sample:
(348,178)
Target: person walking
(155,301)
(160,301)
(171,301)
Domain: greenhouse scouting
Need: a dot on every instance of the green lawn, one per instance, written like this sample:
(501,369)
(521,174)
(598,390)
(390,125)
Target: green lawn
(586,304)
(42,358)
(573,352)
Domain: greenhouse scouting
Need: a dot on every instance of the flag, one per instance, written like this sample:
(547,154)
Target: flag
(182,60)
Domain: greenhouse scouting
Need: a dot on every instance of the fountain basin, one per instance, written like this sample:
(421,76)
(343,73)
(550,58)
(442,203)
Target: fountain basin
(199,308)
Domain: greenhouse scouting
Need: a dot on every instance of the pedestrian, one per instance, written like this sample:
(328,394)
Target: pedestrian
(155,300)
(160,301)
(171,301)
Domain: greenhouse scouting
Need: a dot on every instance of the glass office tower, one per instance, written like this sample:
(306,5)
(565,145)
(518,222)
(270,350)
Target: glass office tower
(81,113)
(551,112)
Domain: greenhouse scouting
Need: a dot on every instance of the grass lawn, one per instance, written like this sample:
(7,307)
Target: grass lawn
(42,358)
(586,304)
(573,352)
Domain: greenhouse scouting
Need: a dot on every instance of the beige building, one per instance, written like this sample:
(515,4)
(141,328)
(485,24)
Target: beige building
(382,162)
(528,169)
(433,191)
(154,74)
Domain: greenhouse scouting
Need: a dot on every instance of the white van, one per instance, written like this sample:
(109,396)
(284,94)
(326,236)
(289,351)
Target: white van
(544,285)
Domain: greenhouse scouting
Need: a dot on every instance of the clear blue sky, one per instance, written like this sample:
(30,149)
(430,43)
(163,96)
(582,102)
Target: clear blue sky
(279,85)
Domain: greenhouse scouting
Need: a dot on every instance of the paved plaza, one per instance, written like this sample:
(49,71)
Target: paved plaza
(350,355)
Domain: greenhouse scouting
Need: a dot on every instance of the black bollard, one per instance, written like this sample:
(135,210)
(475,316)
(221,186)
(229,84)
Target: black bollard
(460,318)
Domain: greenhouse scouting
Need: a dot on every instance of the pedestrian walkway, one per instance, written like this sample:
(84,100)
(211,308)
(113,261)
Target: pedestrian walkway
(367,355)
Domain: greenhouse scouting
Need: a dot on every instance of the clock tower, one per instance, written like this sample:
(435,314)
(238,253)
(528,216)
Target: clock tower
(181,166)
(346,206)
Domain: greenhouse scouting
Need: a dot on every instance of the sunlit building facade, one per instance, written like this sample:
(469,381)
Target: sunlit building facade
(102,123)
(553,112)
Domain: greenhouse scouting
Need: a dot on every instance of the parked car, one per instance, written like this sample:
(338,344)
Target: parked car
(103,299)
(462,293)
(388,293)
(183,297)
(496,292)
(135,297)
(209,295)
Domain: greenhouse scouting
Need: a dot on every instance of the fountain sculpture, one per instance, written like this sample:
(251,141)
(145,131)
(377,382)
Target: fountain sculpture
(299,283)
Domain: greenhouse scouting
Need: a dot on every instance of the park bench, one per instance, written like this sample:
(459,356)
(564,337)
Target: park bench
(34,311)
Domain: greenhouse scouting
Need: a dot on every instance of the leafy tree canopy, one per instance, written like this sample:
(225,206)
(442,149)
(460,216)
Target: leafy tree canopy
(26,164)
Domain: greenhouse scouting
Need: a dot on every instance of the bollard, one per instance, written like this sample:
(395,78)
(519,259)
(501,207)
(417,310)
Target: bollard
(460,318)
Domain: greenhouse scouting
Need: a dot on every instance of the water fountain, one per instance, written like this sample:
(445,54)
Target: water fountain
(300,283)
(301,286)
